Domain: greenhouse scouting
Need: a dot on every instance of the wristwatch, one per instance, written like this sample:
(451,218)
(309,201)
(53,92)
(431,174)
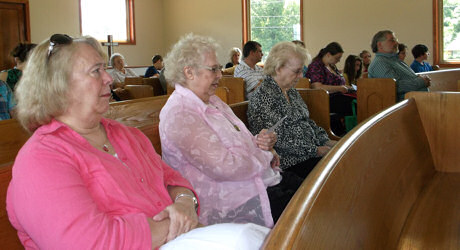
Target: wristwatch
(195,201)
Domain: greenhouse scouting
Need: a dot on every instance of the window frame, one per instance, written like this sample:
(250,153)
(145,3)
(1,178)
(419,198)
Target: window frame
(129,23)
(437,39)
(246,18)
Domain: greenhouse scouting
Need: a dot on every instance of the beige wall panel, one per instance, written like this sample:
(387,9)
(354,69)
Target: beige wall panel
(221,20)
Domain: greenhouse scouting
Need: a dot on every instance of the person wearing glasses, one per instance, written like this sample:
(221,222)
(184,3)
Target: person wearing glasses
(387,65)
(202,138)
(82,181)
(301,143)
(119,72)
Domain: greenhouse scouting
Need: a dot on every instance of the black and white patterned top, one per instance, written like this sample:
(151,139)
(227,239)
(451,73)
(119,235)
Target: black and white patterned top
(298,135)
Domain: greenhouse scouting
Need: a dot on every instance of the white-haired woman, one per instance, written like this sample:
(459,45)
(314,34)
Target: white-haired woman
(82,181)
(119,72)
(301,143)
(201,137)
(235,54)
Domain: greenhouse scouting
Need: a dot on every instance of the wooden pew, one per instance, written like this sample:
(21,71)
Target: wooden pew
(374,95)
(13,136)
(443,80)
(156,85)
(131,80)
(143,114)
(235,86)
(317,101)
(391,183)
(139,91)
(304,83)
(241,111)
(223,93)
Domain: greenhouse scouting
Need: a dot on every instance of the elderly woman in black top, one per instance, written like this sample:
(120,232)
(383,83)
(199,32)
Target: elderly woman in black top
(301,143)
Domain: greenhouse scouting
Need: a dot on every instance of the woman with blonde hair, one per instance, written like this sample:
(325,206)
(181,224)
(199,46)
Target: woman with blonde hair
(301,143)
(82,181)
(235,54)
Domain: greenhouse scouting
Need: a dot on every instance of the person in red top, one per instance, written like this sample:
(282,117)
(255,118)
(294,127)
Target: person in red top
(82,181)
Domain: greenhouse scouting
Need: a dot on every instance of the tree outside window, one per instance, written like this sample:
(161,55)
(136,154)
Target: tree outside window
(99,18)
(451,30)
(273,21)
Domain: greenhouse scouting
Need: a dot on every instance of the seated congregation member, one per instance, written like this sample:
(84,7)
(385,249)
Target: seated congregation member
(366,56)
(235,54)
(387,65)
(302,44)
(301,143)
(119,72)
(248,68)
(20,54)
(323,73)
(201,137)
(154,71)
(402,49)
(7,102)
(352,69)
(420,53)
(82,181)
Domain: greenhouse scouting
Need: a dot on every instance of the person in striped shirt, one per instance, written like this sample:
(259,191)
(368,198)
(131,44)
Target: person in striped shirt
(248,70)
(387,65)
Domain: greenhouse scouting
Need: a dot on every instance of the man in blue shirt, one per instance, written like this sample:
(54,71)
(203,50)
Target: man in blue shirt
(154,71)
(387,65)
(420,53)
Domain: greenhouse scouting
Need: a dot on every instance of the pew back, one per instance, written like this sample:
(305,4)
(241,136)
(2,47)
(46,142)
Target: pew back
(131,80)
(304,83)
(381,186)
(443,80)
(143,114)
(317,101)
(139,91)
(235,86)
(13,136)
(374,95)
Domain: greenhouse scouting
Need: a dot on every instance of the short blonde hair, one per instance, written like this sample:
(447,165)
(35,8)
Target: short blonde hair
(280,54)
(42,91)
(188,51)
(233,51)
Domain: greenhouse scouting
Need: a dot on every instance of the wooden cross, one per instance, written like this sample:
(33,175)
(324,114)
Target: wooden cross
(109,45)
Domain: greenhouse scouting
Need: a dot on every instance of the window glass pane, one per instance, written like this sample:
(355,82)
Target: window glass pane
(451,30)
(100,18)
(273,21)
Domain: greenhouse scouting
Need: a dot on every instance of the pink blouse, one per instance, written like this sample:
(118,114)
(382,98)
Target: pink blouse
(215,151)
(66,194)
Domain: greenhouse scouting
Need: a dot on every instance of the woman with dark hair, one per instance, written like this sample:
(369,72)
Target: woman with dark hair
(352,70)
(20,54)
(402,51)
(323,74)
(420,53)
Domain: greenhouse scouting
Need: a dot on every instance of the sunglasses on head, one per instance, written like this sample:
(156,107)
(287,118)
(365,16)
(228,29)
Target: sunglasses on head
(58,39)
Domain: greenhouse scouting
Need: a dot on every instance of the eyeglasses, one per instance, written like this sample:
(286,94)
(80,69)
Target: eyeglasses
(214,69)
(58,39)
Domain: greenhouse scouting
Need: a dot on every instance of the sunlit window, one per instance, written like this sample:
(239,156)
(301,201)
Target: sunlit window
(272,21)
(100,18)
(447,31)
